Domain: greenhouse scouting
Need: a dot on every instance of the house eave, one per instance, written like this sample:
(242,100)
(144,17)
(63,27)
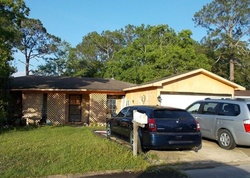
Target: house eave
(120,92)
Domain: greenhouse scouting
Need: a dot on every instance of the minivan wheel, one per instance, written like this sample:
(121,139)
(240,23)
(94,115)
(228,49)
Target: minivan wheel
(108,130)
(226,140)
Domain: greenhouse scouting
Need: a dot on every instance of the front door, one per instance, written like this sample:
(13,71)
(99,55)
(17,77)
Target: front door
(75,109)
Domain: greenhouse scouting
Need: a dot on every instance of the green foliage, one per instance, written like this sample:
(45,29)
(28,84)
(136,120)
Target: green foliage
(61,151)
(55,65)
(156,52)
(11,14)
(228,26)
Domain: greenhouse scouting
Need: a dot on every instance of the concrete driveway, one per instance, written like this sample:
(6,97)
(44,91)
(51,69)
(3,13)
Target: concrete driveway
(210,161)
(210,155)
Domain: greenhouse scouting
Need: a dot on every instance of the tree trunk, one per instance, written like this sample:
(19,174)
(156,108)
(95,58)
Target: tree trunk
(27,68)
(231,70)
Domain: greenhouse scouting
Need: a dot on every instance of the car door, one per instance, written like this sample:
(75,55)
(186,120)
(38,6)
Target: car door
(207,119)
(126,124)
(116,122)
(205,114)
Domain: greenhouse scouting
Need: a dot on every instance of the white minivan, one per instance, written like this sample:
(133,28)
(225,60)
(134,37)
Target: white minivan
(224,120)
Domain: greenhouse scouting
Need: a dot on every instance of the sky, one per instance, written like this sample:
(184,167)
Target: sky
(71,20)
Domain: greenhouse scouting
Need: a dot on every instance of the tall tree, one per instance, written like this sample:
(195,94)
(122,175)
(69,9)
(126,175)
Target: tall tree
(11,14)
(55,65)
(35,41)
(93,52)
(156,52)
(228,27)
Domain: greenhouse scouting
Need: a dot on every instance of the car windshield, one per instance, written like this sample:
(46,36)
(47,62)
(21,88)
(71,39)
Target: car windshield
(176,114)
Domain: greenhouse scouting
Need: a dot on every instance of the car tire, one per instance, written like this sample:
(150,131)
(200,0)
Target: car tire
(226,140)
(108,130)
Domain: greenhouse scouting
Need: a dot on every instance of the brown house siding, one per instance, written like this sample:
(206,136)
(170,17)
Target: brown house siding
(56,108)
(32,107)
(98,107)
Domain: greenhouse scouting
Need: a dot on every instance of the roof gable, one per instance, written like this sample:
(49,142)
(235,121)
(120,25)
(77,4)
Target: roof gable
(160,82)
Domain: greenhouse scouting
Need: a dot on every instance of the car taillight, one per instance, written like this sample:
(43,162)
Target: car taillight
(151,124)
(198,126)
(247,125)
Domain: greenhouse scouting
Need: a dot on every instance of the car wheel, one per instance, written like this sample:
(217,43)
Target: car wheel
(226,140)
(108,130)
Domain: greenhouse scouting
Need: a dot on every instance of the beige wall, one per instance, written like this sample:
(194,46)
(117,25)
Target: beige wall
(32,107)
(198,84)
(142,97)
(192,84)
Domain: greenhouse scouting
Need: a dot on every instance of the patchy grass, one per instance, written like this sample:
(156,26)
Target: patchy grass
(64,150)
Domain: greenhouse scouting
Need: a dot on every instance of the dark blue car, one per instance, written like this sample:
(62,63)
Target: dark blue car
(167,128)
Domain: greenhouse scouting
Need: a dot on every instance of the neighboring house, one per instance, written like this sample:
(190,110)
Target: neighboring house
(242,94)
(65,100)
(181,90)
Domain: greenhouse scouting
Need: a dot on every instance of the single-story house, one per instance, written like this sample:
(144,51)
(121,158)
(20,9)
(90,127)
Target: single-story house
(65,100)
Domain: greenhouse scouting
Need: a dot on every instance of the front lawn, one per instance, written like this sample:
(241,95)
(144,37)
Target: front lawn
(64,150)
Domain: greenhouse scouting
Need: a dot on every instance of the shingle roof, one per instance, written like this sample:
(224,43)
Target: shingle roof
(67,83)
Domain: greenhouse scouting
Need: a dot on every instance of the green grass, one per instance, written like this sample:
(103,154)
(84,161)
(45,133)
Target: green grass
(64,150)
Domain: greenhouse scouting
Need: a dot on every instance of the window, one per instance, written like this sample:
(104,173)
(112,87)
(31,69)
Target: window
(130,113)
(228,109)
(193,109)
(123,112)
(111,104)
(209,108)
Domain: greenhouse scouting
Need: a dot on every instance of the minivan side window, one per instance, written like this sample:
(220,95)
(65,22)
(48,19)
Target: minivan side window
(228,109)
(193,109)
(209,108)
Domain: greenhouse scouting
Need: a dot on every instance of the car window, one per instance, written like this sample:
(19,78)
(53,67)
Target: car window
(122,113)
(228,109)
(193,109)
(209,108)
(130,113)
(172,114)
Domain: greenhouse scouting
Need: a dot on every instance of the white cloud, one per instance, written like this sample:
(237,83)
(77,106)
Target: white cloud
(18,74)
